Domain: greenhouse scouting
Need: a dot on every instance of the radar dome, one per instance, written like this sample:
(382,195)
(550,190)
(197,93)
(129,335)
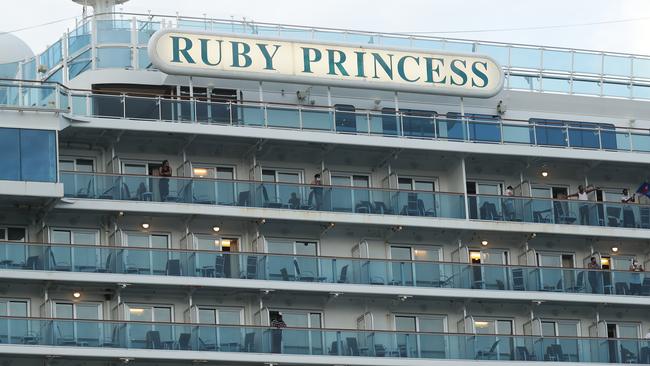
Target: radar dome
(13,49)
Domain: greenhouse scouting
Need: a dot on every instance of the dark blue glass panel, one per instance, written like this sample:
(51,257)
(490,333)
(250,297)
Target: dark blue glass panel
(553,135)
(346,120)
(451,127)
(418,123)
(9,154)
(38,155)
(484,127)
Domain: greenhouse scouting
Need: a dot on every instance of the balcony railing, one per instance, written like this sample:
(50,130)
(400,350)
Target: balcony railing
(318,341)
(264,194)
(327,198)
(555,211)
(430,126)
(107,42)
(318,269)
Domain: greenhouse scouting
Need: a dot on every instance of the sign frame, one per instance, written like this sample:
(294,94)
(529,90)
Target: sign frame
(170,69)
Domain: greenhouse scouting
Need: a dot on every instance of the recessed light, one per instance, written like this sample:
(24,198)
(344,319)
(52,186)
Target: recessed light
(544,173)
(615,249)
(484,242)
(145,225)
(76,294)
(216,229)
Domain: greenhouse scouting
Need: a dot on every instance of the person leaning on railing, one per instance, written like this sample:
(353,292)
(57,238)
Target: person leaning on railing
(583,195)
(635,280)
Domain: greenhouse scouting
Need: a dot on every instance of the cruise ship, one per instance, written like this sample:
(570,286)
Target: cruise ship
(181,190)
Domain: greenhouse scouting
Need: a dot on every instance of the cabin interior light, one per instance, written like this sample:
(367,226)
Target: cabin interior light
(484,242)
(225,243)
(145,225)
(76,294)
(200,172)
(481,324)
(217,242)
(136,311)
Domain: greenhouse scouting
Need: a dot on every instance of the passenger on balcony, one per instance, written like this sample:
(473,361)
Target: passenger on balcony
(276,334)
(583,195)
(594,276)
(635,281)
(315,199)
(509,204)
(164,171)
(294,201)
(628,212)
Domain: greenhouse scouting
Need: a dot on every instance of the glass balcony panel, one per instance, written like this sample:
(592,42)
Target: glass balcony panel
(617,65)
(9,95)
(271,31)
(113,57)
(623,141)
(517,134)
(587,63)
(251,115)
(52,56)
(454,46)
(177,110)
(617,90)
(641,92)
(499,53)
(328,36)
(418,126)
(143,59)
(29,70)
(79,104)
(427,44)
(584,135)
(222,113)
(451,128)
(296,33)
(402,42)
(640,142)
(521,82)
(484,130)
(283,117)
(384,124)
(79,39)
(527,58)
(641,67)
(141,108)
(360,38)
(113,31)
(145,30)
(313,119)
(555,60)
(586,87)
(190,24)
(107,106)
(556,85)
(79,64)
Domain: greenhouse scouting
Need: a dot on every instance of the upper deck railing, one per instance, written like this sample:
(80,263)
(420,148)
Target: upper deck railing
(121,42)
(17,94)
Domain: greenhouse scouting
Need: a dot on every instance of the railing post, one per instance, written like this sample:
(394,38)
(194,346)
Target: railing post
(600,137)
(333,119)
(123,99)
(300,117)
(159,102)
(230,113)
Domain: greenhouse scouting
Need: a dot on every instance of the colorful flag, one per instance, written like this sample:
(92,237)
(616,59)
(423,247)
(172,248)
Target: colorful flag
(644,189)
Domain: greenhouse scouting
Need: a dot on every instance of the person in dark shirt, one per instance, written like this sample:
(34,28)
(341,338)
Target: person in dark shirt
(276,334)
(164,171)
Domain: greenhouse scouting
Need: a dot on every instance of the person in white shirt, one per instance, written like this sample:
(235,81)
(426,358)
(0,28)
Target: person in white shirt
(583,195)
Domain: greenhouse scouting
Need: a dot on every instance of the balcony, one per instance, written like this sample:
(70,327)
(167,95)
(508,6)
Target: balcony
(318,269)
(264,195)
(426,126)
(343,199)
(315,341)
(557,211)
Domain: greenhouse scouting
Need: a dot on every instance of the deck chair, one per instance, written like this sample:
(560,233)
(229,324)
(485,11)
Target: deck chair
(173,267)
(487,354)
(152,340)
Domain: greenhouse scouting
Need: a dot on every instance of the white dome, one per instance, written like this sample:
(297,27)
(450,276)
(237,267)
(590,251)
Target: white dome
(13,49)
